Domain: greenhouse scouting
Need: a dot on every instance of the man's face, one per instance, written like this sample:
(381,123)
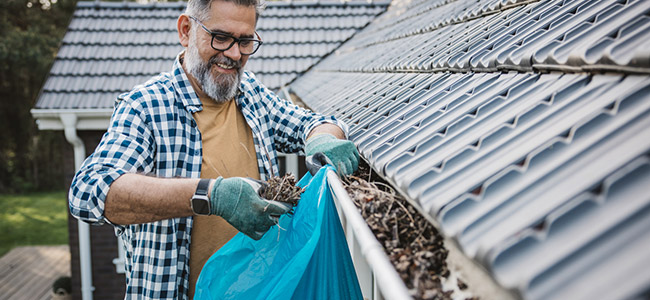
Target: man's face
(219,72)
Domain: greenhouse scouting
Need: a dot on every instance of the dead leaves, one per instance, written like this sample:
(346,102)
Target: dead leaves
(413,245)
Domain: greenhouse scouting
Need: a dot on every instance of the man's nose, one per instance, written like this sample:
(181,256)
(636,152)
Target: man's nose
(233,53)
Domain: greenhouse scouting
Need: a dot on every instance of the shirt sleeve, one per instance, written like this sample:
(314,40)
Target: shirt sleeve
(290,123)
(127,146)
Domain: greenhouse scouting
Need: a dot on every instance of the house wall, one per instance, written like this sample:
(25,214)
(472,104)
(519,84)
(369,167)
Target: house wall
(107,282)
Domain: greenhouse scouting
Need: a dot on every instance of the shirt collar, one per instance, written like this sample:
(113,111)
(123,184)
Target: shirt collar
(184,88)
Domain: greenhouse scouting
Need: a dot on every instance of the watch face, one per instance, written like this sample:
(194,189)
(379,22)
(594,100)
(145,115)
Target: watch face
(200,206)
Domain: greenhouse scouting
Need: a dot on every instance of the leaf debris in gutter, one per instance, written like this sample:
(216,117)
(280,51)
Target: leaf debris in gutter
(413,245)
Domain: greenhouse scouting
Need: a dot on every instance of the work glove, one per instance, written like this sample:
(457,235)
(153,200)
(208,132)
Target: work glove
(238,201)
(342,154)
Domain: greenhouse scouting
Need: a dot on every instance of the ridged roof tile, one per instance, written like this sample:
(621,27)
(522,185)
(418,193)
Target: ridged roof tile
(522,127)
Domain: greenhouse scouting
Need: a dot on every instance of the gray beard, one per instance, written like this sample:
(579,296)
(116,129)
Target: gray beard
(220,87)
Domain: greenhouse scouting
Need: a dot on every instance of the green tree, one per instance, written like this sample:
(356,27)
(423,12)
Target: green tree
(30,34)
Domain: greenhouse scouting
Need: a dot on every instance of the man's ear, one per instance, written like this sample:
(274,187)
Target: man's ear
(183,25)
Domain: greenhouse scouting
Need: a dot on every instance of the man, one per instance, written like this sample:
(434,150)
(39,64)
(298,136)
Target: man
(207,118)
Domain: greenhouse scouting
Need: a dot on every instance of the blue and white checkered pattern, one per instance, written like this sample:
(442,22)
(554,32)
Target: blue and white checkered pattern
(152,131)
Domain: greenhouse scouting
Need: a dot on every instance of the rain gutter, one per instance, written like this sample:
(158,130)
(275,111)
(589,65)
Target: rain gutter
(383,274)
(87,119)
(389,282)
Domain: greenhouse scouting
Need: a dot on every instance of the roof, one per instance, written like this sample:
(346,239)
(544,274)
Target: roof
(522,127)
(112,46)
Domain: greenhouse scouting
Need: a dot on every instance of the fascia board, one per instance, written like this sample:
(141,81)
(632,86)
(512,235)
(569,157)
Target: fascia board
(88,119)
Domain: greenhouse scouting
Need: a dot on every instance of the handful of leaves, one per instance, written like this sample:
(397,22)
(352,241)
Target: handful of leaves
(283,189)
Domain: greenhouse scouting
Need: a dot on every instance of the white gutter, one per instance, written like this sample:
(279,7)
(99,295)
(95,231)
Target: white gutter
(87,119)
(478,279)
(69,121)
(389,282)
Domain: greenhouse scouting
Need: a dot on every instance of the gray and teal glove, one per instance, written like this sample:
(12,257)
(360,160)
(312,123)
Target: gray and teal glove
(237,200)
(342,154)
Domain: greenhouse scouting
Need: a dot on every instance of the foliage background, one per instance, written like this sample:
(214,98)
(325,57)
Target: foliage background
(30,34)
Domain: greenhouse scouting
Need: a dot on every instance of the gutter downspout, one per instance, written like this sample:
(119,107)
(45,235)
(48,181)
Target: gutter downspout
(69,121)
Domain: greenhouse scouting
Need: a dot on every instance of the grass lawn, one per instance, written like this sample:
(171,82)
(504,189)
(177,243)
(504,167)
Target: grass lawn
(33,219)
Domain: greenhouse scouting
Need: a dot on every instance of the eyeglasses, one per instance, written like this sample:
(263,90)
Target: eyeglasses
(223,42)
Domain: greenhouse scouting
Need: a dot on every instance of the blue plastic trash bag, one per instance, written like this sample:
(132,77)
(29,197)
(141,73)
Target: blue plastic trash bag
(305,257)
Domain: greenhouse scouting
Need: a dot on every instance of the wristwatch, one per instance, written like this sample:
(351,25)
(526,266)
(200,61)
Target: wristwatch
(200,202)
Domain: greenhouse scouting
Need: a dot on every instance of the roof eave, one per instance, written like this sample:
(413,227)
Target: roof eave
(87,119)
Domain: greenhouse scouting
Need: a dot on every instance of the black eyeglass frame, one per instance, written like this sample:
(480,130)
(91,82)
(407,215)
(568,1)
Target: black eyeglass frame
(234,39)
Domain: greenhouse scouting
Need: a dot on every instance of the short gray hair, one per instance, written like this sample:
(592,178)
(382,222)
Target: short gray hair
(200,8)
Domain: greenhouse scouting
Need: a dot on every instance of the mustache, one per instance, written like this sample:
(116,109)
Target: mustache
(225,61)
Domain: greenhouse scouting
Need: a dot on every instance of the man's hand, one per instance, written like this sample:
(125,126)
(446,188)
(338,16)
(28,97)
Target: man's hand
(342,154)
(237,200)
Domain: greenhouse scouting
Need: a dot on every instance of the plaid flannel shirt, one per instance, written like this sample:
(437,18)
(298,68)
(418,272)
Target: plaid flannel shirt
(152,131)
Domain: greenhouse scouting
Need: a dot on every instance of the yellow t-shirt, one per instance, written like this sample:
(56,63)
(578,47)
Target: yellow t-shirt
(228,151)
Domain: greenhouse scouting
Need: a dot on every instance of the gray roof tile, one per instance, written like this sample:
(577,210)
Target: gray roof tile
(491,154)
(112,46)
(578,35)
(523,127)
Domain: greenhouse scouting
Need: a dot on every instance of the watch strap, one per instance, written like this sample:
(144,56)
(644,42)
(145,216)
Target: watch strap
(202,187)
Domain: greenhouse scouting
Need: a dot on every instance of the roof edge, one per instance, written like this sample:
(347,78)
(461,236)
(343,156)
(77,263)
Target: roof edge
(37,112)
(87,119)
(182,4)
